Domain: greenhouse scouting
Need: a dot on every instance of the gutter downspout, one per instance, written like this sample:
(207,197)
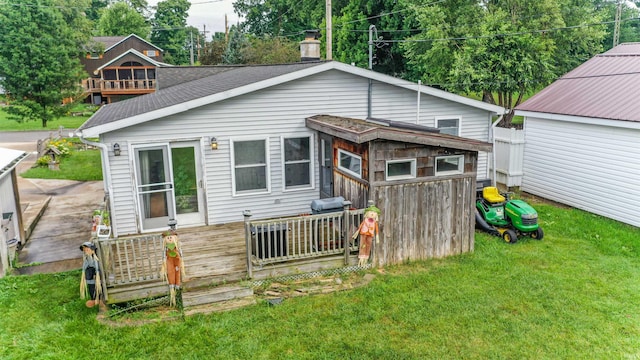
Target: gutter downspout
(418,104)
(493,148)
(106,172)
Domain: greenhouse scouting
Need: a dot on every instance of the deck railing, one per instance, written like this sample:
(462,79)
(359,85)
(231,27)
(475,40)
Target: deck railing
(300,237)
(131,260)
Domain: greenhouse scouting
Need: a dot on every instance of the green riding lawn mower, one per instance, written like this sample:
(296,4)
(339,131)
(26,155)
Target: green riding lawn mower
(501,216)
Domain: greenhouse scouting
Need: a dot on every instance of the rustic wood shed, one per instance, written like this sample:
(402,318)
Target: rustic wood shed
(423,181)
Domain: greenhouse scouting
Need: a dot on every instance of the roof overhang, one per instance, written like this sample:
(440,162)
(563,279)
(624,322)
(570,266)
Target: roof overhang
(580,119)
(9,159)
(360,131)
(242,90)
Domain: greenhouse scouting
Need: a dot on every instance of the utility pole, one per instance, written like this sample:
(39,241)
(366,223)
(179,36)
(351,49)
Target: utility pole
(616,28)
(191,50)
(226,29)
(328,32)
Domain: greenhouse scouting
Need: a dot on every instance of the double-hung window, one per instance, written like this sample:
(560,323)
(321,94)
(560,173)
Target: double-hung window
(298,166)
(350,163)
(449,125)
(250,166)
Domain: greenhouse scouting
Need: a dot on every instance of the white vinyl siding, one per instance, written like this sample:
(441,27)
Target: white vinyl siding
(274,113)
(590,167)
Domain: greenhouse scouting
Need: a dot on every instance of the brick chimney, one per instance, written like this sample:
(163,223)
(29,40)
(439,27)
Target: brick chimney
(310,46)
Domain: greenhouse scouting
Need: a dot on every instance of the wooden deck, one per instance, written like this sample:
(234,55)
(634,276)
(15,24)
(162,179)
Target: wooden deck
(217,254)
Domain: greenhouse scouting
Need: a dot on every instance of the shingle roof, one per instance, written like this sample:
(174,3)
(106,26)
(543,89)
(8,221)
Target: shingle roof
(229,78)
(109,41)
(170,76)
(605,87)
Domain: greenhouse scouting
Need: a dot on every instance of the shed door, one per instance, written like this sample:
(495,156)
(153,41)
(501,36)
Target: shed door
(326,166)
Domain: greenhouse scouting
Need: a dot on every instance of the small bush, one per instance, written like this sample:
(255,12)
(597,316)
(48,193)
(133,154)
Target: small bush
(43,160)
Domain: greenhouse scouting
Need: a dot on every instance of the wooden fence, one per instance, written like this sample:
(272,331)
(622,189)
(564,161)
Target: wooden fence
(509,152)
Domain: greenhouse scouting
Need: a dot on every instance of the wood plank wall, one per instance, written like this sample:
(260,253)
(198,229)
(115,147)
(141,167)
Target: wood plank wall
(438,222)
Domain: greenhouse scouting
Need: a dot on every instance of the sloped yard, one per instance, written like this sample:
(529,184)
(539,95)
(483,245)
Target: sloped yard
(574,295)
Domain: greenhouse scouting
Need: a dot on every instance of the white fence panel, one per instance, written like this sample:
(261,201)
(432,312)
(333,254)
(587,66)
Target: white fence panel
(509,152)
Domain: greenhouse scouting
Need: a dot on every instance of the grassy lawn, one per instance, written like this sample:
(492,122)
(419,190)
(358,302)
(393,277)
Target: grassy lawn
(574,295)
(80,164)
(67,122)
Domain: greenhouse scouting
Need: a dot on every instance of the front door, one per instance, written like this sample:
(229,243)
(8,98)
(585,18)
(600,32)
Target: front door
(168,185)
(326,166)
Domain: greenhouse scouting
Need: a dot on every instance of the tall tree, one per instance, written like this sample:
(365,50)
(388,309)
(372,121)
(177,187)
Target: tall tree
(120,19)
(170,30)
(268,50)
(40,44)
(94,11)
(213,50)
(502,49)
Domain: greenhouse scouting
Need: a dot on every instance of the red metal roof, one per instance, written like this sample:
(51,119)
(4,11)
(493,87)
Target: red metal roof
(606,86)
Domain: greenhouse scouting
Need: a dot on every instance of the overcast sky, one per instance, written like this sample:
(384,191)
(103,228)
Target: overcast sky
(209,14)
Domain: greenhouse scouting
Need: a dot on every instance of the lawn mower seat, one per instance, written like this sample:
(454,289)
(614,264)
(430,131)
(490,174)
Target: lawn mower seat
(492,195)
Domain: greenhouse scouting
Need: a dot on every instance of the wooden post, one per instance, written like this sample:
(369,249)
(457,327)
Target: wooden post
(346,219)
(247,240)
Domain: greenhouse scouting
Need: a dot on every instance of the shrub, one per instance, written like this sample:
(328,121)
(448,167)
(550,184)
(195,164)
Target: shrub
(43,160)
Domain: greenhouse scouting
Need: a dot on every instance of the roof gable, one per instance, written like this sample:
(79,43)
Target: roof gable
(135,53)
(113,41)
(234,81)
(603,87)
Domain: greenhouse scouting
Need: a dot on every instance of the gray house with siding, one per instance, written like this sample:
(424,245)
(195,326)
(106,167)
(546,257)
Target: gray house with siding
(581,137)
(212,142)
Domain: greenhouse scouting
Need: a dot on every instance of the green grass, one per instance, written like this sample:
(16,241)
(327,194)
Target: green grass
(81,165)
(574,295)
(67,122)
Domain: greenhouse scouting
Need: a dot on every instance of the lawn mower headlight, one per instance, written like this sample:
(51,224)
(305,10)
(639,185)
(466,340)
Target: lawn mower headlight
(530,216)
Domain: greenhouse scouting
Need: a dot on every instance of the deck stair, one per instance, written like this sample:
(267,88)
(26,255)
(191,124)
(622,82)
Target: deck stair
(216,299)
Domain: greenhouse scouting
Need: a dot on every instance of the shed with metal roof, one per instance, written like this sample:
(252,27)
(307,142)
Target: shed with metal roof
(582,133)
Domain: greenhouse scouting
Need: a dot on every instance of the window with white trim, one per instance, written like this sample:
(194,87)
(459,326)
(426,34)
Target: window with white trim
(151,53)
(449,126)
(350,163)
(400,169)
(449,165)
(297,162)
(250,167)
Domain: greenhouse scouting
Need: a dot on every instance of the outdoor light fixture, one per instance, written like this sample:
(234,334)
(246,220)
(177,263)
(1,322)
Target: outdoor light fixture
(214,144)
(116,149)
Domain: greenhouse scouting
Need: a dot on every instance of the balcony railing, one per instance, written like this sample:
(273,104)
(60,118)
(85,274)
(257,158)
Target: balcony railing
(119,86)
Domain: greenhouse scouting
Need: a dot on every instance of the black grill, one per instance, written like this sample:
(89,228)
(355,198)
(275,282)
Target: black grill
(529,221)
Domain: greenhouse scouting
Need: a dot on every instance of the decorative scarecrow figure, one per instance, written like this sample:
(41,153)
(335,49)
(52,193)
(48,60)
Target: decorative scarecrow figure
(90,283)
(367,230)
(172,265)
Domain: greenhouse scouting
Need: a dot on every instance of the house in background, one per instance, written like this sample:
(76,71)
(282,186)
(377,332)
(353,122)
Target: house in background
(120,67)
(11,233)
(203,151)
(582,137)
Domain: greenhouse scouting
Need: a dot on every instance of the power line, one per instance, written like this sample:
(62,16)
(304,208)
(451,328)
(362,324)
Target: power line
(506,34)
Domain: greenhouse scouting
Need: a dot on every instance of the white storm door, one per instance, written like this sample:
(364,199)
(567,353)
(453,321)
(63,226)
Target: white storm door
(154,186)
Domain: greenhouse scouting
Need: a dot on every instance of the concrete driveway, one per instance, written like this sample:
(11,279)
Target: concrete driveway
(56,213)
